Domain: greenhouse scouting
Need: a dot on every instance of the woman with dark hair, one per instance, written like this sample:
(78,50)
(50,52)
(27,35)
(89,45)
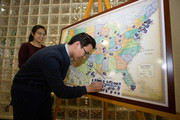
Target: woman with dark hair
(34,44)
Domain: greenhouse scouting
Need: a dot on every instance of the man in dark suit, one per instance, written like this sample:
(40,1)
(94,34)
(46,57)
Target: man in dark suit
(43,73)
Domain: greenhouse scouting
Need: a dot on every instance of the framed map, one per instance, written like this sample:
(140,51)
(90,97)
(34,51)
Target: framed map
(133,56)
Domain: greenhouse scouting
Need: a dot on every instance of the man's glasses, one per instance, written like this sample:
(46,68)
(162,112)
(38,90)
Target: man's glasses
(85,52)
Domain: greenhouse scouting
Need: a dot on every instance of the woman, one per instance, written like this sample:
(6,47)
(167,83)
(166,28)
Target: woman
(34,44)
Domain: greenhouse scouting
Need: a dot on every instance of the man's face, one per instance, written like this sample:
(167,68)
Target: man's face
(82,52)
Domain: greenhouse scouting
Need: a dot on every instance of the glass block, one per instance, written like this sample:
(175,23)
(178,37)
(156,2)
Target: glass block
(119,2)
(6,86)
(149,116)
(2,41)
(4,21)
(72,102)
(1,61)
(44,10)
(76,1)
(161,118)
(61,27)
(13,21)
(53,30)
(7,63)
(35,2)
(63,103)
(16,51)
(3,31)
(122,115)
(111,115)
(96,103)
(75,18)
(5,2)
(1,52)
(133,115)
(112,4)
(65,1)
(34,10)
(25,2)
(84,102)
(61,114)
(64,19)
(96,115)
(95,8)
(54,19)
(43,19)
(83,114)
(45,1)
(111,106)
(24,10)
(14,11)
(86,1)
(65,9)
(22,31)
(54,9)
(51,41)
(5,99)
(121,108)
(11,52)
(12,31)
(33,20)
(55,1)
(76,8)
(71,114)
(12,42)
(84,8)
(4,108)
(4,11)
(23,20)
(29,29)
(14,72)
(94,13)
(15,62)
(20,40)
(15,2)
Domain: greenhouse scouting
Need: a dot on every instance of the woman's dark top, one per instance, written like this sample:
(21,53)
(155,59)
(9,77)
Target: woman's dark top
(26,51)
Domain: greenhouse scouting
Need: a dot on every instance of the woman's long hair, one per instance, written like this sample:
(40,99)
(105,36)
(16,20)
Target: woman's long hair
(34,29)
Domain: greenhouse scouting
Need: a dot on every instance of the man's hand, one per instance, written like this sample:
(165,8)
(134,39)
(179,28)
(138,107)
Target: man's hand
(95,87)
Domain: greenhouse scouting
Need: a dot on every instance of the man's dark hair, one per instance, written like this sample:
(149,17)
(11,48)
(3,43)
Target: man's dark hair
(84,39)
(34,29)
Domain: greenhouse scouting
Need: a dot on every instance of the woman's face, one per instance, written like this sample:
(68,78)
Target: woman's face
(39,35)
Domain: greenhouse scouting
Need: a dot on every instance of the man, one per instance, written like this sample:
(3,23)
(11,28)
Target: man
(43,73)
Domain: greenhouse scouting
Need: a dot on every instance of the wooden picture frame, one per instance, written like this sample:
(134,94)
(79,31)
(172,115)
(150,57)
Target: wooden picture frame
(135,65)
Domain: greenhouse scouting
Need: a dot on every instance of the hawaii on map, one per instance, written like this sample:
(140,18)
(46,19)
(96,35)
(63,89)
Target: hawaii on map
(128,58)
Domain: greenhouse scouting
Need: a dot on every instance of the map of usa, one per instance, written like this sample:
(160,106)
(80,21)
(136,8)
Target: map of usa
(121,40)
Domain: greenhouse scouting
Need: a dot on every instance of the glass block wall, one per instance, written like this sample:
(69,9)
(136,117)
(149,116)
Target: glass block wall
(90,109)
(17,17)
